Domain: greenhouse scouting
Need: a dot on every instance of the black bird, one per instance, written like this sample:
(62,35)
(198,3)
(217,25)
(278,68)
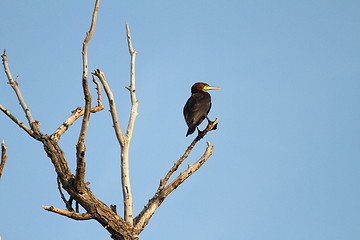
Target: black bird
(197,106)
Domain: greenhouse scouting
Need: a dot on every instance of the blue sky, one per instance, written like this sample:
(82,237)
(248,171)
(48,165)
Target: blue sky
(286,162)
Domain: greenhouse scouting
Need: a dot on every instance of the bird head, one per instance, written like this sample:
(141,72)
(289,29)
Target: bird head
(201,87)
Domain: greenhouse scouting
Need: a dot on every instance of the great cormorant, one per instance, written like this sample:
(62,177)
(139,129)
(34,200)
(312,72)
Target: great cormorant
(197,106)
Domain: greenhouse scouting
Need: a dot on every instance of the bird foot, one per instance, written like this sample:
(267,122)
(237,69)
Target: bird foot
(211,123)
(200,135)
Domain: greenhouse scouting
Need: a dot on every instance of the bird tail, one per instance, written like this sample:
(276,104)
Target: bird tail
(191,129)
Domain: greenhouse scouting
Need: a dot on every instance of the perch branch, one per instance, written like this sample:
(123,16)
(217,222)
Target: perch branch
(3,156)
(69,214)
(143,218)
(80,147)
(163,191)
(14,84)
(210,126)
(15,120)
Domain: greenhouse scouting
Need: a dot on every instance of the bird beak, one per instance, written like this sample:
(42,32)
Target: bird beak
(210,88)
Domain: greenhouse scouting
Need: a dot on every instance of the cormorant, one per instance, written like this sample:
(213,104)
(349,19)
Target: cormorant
(197,106)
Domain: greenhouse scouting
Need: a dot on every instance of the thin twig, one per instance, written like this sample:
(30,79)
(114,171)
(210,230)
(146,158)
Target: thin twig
(210,126)
(190,170)
(67,213)
(100,106)
(67,203)
(3,156)
(80,147)
(14,85)
(15,120)
(77,113)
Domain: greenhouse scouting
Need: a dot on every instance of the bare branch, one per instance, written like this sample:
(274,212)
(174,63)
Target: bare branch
(210,126)
(3,156)
(80,147)
(14,85)
(124,141)
(118,132)
(131,88)
(78,112)
(69,214)
(75,114)
(144,216)
(131,49)
(15,120)
(190,170)
(99,106)
(125,171)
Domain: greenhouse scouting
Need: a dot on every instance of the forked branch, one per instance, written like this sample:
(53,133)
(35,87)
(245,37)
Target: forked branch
(145,215)
(125,171)
(124,140)
(14,84)
(210,126)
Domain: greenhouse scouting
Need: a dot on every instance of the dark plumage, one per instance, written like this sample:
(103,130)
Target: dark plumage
(197,106)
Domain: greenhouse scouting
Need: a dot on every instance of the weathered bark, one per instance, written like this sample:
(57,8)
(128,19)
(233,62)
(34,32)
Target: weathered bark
(112,222)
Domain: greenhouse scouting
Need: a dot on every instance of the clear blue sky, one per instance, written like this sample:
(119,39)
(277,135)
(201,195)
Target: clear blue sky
(286,162)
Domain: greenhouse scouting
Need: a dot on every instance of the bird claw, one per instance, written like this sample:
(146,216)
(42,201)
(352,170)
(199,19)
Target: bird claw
(211,123)
(200,135)
(215,126)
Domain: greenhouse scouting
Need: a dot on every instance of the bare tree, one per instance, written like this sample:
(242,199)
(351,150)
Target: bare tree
(127,227)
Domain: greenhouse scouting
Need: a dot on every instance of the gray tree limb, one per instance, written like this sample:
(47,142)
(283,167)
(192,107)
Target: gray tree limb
(14,84)
(163,191)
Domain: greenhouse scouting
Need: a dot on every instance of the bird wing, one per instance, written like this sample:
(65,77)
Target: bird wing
(197,107)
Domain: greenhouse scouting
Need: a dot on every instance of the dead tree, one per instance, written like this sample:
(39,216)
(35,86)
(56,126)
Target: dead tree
(127,227)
